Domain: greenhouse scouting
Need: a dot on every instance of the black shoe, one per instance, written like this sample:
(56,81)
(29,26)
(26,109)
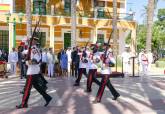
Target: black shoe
(47,102)
(20,106)
(96,101)
(21,92)
(115,98)
(76,84)
(88,90)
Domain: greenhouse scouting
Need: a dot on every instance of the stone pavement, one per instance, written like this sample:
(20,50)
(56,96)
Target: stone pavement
(140,95)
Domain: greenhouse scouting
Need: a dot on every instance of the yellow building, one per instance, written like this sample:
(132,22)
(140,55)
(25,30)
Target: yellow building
(94,23)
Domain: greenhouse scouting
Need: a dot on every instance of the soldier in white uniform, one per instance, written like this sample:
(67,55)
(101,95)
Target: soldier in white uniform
(34,77)
(82,67)
(94,66)
(144,59)
(105,74)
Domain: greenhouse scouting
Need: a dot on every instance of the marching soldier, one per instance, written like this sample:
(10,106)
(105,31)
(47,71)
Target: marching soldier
(105,74)
(94,64)
(34,77)
(82,66)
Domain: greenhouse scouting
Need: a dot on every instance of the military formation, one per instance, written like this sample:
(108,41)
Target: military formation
(94,62)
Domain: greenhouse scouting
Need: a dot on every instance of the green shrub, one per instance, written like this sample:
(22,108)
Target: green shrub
(160,63)
(161,59)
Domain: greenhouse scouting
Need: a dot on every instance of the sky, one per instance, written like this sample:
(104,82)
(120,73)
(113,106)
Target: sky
(137,6)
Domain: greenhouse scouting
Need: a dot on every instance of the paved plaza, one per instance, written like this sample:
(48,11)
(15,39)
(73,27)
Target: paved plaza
(139,95)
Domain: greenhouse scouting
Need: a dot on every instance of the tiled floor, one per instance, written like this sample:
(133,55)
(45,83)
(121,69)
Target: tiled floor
(140,95)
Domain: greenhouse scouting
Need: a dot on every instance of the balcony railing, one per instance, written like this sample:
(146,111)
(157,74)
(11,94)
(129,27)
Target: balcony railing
(93,14)
(97,14)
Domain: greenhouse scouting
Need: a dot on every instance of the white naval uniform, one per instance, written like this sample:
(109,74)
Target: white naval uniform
(35,54)
(144,59)
(33,69)
(106,69)
(13,59)
(126,59)
(51,61)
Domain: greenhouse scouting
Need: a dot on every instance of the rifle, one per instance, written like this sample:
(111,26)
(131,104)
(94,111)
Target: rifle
(31,39)
(105,53)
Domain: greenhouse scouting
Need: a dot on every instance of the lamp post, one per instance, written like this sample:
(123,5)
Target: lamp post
(8,16)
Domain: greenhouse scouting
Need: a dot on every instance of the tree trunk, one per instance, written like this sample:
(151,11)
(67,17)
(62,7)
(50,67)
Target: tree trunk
(29,18)
(73,23)
(114,25)
(150,15)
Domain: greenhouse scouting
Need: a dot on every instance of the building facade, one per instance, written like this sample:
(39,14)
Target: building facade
(93,23)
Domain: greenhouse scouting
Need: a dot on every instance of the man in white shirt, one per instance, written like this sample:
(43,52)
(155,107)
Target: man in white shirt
(13,59)
(126,59)
(68,52)
(51,60)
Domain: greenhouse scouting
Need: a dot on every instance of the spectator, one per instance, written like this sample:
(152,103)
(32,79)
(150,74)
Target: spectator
(68,52)
(64,63)
(144,59)
(44,60)
(13,59)
(51,60)
(75,61)
(126,60)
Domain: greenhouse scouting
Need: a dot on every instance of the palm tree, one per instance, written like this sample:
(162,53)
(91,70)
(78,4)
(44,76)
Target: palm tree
(150,16)
(29,18)
(114,25)
(73,23)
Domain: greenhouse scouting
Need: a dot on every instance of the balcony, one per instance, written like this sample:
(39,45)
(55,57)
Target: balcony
(97,14)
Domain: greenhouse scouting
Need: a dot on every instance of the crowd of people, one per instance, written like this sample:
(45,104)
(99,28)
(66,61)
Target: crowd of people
(86,61)
(144,60)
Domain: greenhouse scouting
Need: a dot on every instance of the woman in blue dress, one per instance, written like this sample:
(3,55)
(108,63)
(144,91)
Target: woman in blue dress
(64,63)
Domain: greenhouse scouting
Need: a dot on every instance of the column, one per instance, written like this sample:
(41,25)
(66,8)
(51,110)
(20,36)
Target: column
(11,36)
(12,4)
(95,35)
(51,44)
(133,42)
(73,23)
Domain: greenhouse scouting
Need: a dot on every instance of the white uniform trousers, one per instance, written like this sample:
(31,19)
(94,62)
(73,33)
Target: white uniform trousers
(50,69)
(145,69)
(126,67)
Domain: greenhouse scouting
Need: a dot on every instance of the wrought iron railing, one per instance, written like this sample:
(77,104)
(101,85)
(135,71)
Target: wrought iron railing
(92,14)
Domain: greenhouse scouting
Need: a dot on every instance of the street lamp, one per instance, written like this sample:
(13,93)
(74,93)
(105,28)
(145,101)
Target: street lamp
(8,15)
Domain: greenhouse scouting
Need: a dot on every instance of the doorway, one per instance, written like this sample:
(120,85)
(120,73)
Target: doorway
(67,40)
